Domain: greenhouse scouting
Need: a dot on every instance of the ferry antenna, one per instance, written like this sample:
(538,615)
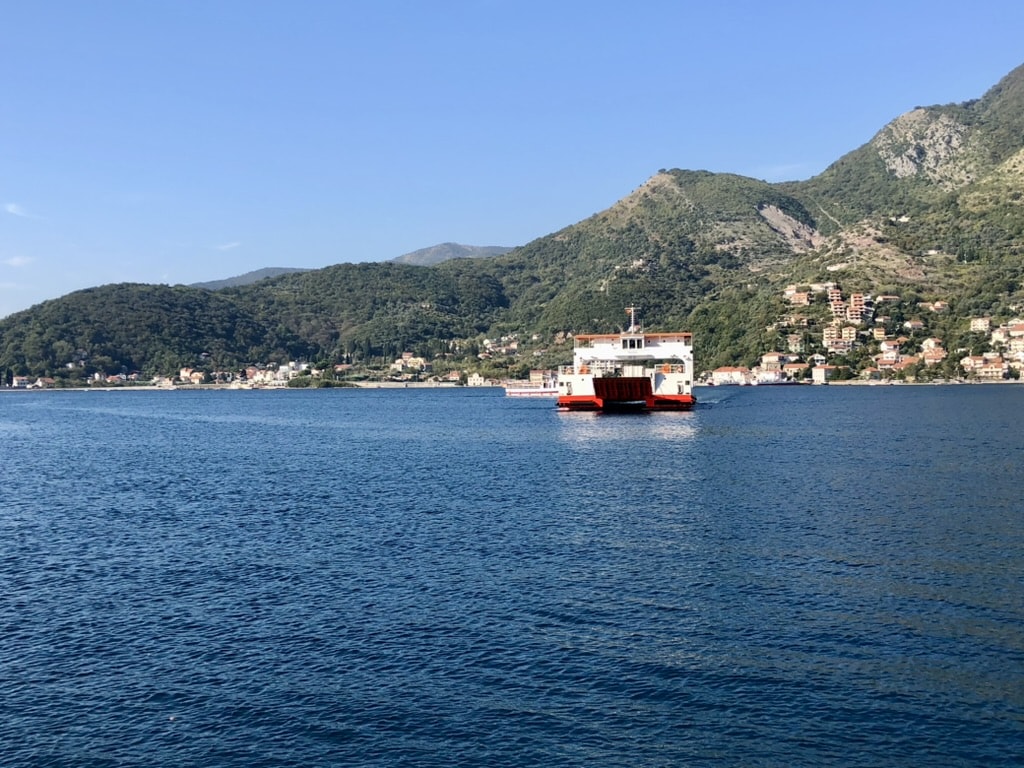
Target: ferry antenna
(631,311)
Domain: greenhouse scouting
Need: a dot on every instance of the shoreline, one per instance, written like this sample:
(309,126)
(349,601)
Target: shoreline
(233,387)
(452,385)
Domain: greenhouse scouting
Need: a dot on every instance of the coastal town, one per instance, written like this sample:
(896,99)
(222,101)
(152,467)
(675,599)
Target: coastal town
(895,351)
(856,326)
(408,368)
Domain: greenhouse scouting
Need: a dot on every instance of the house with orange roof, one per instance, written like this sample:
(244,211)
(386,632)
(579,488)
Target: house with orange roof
(972,363)
(773,361)
(822,374)
(995,368)
(728,375)
(890,354)
(1015,349)
(794,371)
(871,374)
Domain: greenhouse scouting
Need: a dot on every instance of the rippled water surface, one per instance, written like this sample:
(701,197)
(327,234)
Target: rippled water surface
(785,576)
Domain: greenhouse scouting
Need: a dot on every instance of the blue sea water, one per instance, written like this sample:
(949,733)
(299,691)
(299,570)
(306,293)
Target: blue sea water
(787,576)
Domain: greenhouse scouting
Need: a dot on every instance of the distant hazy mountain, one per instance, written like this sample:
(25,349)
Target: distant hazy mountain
(426,257)
(247,279)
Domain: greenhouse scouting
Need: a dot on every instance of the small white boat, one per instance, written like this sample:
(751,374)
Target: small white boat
(544,386)
(528,391)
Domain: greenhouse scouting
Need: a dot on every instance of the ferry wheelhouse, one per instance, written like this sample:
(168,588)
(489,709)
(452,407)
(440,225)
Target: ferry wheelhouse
(629,371)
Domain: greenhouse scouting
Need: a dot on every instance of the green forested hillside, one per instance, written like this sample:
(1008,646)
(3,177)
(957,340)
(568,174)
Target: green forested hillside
(130,327)
(377,309)
(931,208)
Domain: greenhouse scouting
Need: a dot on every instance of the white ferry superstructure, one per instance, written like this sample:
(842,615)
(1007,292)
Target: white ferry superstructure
(629,371)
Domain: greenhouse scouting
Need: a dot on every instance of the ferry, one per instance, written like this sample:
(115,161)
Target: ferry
(629,371)
(541,384)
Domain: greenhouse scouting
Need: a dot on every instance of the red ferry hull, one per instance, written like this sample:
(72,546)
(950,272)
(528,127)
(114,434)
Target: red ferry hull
(625,394)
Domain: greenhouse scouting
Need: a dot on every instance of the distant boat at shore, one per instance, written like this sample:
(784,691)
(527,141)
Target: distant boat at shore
(544,384)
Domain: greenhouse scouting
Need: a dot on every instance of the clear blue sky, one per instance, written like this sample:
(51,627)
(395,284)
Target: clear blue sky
(177,141)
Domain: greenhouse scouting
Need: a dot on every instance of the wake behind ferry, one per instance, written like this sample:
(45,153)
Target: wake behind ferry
(629,371)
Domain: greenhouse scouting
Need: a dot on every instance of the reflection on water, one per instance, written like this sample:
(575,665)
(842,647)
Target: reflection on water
(585,430)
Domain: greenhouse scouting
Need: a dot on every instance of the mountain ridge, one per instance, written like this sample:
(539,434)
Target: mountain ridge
(247,278)
(931,207)
(435,254)
(425,257)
